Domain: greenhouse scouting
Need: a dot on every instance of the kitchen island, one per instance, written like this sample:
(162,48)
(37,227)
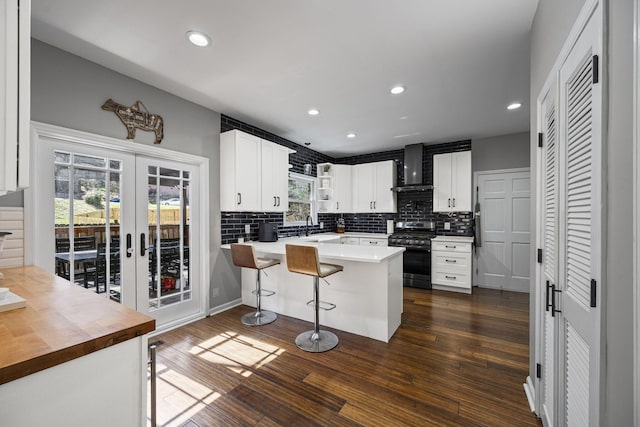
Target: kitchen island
(70,357)
(368,293)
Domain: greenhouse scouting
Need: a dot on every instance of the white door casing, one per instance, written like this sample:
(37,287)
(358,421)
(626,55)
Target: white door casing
(39,246)
(502,260)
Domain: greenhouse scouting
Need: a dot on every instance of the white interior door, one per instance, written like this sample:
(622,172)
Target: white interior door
(168,231)
(549,214)
(580,107)
(503,257)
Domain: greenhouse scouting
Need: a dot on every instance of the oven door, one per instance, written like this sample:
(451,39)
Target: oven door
(417,268)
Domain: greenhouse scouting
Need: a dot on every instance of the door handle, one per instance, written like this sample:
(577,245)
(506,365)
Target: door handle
(547,304)
(129,248)
(553,300)
(239,198)
(143,246)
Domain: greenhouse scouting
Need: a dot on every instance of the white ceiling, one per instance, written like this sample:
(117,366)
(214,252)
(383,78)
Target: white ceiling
(462,62)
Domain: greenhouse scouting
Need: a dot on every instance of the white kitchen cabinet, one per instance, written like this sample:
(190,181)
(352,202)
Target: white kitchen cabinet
(275,177)
(375,241)
(334,188)
(253,174)
(372,184)
(451,263)
(349,240)
(240,172)
(452,182)
(15,41)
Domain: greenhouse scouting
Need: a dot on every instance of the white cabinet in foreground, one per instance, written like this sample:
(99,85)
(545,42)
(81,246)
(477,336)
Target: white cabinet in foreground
(451,263)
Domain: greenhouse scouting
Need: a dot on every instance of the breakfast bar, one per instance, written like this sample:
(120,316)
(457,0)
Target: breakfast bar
(368,293)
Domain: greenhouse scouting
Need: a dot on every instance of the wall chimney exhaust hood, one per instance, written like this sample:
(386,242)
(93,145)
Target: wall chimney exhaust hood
(413,170)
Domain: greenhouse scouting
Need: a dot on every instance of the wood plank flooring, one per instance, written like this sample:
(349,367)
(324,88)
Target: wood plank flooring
(456,360)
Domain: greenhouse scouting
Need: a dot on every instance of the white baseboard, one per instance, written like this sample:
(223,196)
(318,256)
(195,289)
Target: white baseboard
(530,391)
(224,307)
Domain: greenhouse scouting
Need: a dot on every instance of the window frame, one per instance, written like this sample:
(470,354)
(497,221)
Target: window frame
(312,201)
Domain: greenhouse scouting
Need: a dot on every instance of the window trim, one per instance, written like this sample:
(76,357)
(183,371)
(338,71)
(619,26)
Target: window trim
(313,199)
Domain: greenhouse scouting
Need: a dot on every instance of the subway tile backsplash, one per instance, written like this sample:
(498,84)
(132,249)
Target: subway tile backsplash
(412,206)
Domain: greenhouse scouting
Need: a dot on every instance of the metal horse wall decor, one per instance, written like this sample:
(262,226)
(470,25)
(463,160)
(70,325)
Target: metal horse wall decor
(135,118)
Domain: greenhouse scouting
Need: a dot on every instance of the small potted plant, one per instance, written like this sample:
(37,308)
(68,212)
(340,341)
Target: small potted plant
(325,169)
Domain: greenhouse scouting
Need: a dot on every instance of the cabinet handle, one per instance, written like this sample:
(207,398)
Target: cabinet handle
(450,247)
(239,198)
(450,277)
(449,203)
(374,205)
(337,205)
(275,201)
(370,205)
(451,260)
(278,200)
(372,242)
(454,202)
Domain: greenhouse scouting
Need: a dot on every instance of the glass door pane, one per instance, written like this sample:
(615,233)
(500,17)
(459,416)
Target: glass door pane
(168,218)
(87,196)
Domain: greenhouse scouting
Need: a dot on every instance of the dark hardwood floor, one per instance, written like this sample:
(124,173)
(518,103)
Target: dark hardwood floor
(455,360)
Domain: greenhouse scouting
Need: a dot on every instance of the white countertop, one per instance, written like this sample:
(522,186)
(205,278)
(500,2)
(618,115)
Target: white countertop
(453,239)
(374,254)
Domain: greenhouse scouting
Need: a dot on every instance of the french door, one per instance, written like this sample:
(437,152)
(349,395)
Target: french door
(121,224)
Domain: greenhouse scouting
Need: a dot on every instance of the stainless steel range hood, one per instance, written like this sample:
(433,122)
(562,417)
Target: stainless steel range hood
(413,180)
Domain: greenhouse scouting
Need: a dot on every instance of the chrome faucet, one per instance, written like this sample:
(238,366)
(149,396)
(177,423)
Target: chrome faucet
(307,220)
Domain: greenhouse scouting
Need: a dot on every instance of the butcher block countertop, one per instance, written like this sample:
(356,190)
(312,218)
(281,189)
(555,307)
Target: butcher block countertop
(61,322)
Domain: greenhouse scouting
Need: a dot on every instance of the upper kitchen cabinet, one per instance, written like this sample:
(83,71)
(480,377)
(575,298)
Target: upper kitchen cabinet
(253,174)
(452,182)
(15,41)
(334,188)
(372,184)
(275,177)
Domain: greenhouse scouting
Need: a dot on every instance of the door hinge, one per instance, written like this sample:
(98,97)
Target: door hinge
(538,370)
(539,256)
(593,292)
(540,139)
(594,65)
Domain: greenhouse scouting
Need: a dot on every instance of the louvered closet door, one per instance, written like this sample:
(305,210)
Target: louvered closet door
(549,215)
(580,230)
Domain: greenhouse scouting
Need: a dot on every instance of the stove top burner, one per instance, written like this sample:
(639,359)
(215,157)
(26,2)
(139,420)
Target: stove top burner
(413,235)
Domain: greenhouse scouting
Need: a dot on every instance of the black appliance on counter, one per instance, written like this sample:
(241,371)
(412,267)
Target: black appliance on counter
(268,232)
(415,237)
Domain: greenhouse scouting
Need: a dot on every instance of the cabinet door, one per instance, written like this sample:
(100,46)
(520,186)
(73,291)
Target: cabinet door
(363,194)
(461,181)
(442,182)
(384,198)
(269,201)
(281,177)
(342,188)
(247,172)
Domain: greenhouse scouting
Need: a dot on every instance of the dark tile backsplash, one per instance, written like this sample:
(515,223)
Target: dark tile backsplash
(411,206)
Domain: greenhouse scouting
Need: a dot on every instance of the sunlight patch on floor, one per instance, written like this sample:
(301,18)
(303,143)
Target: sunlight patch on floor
(178,397)
(239,353)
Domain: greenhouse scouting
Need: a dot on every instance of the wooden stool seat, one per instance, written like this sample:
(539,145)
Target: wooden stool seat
(244,256)
(304,260)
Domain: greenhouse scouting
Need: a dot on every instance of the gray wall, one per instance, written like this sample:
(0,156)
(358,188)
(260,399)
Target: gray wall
(500,152)
(551,26)
(68,91)
(12,200)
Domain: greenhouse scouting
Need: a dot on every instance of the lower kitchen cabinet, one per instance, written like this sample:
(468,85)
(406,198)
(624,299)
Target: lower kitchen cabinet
(451,263)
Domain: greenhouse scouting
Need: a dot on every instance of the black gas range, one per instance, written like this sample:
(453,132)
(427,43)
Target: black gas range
(415,237)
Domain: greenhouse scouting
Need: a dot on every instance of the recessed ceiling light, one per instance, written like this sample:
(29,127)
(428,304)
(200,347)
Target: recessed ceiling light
(351,135)
(313,112)
(514,106)
(397,90)
(199,39)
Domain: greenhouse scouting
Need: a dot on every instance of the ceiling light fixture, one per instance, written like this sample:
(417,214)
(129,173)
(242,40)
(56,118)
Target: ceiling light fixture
(514,106)
(198,38)
(397,90)
(313,112)
(351,135)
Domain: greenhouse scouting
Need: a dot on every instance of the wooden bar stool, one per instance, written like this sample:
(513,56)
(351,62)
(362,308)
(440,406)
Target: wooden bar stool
(304,260)
(244,256)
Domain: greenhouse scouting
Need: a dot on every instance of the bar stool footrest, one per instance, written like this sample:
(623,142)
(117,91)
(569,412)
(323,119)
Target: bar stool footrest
(263,292)
(323,305)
